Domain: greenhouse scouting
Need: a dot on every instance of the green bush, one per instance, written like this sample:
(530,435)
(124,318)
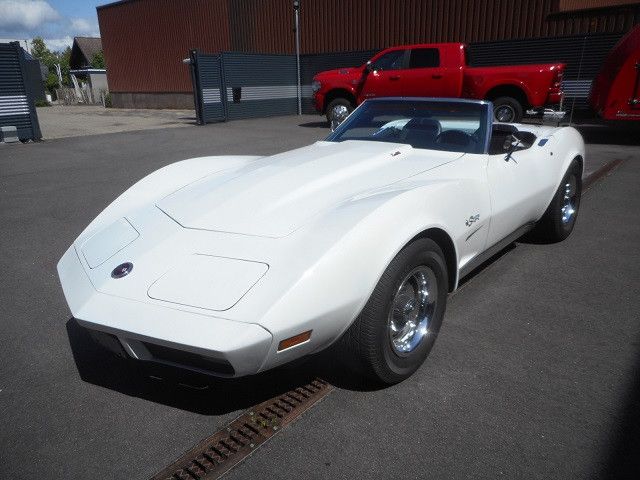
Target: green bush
(42,103)
(107,100)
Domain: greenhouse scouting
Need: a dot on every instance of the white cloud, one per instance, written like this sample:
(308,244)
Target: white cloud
(17,15)
(57,44)
(82,26)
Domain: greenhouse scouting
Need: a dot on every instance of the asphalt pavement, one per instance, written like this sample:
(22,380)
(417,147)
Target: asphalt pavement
(59,121)
(535,373)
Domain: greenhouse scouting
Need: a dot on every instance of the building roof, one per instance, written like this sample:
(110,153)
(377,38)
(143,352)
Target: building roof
(83,50)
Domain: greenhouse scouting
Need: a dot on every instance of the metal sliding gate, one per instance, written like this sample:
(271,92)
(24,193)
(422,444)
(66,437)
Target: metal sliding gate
(208,85)
(17,108)
(229,86)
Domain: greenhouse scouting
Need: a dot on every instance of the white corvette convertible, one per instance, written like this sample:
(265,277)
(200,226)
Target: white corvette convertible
(233,265)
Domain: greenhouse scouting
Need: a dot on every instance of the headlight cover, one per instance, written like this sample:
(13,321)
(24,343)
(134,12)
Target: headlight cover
(105,243)
(209,282)
(315,86)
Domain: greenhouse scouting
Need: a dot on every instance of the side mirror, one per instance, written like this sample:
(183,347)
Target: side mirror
(369,68)
(510,145)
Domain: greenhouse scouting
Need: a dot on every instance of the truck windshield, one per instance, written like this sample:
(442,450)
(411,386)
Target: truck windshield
(454,126)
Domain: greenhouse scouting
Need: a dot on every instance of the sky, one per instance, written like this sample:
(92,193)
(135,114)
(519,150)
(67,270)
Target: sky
(57,21)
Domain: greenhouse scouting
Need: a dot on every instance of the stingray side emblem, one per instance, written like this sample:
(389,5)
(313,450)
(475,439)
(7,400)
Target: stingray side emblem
(472,219)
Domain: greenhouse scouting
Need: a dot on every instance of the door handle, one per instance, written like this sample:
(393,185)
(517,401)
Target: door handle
(436,76)
(395,77)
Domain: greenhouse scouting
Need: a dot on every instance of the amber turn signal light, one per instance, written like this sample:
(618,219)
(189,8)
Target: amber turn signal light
(295,340)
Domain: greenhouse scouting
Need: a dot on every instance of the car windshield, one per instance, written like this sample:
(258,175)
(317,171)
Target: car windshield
(427,124)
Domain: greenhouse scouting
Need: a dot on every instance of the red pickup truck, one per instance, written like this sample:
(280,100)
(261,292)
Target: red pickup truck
(437,70)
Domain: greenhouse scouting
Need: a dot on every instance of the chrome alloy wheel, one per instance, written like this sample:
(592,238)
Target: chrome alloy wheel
(338,114)
(412,309)
(569,200)
(504,113)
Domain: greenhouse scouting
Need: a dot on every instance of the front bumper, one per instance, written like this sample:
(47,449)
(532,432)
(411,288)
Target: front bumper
(166,334)
(318,101)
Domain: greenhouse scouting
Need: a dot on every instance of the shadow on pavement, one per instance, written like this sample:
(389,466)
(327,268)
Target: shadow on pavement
(315,125)
(611,134)
(622,461)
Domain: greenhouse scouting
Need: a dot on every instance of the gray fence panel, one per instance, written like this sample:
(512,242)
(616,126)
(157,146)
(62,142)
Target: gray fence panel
(34,84)
(259,85)
(16,104)
(209,86)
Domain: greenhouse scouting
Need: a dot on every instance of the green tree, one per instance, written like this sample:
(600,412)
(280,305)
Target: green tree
(98,60)
(50,59)
(63,60)
(40,51)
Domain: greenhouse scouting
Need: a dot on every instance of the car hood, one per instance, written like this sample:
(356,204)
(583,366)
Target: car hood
(339,72)
(274,196)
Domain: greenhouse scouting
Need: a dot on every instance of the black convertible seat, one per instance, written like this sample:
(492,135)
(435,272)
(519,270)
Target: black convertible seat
(421,132)
(499,135)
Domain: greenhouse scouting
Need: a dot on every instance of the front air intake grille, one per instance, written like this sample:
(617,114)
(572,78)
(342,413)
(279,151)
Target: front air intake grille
(189,360)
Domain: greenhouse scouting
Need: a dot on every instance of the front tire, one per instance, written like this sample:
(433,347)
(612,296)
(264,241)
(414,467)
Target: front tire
(398,326)
(507,110)
(337,110)
(560,217)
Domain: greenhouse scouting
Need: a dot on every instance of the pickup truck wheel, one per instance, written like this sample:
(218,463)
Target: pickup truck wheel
(398,326)
(337,111)
(558,221)
(507,110)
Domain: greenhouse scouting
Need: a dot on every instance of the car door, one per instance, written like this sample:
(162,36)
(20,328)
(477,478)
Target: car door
(426,77)
(384,78)
(515,185)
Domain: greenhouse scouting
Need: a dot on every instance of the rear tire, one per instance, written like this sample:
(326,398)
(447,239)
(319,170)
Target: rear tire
(558,221)
(507,110)
(398,326)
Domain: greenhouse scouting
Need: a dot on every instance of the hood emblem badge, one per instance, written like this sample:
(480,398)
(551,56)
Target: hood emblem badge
(122,270)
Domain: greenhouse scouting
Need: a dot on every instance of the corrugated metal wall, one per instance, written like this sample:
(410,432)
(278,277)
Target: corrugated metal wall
(144,40)
(336,25)
(17,107)
(572,5)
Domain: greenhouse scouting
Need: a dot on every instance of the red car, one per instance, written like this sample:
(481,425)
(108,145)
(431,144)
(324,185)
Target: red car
(437,70)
